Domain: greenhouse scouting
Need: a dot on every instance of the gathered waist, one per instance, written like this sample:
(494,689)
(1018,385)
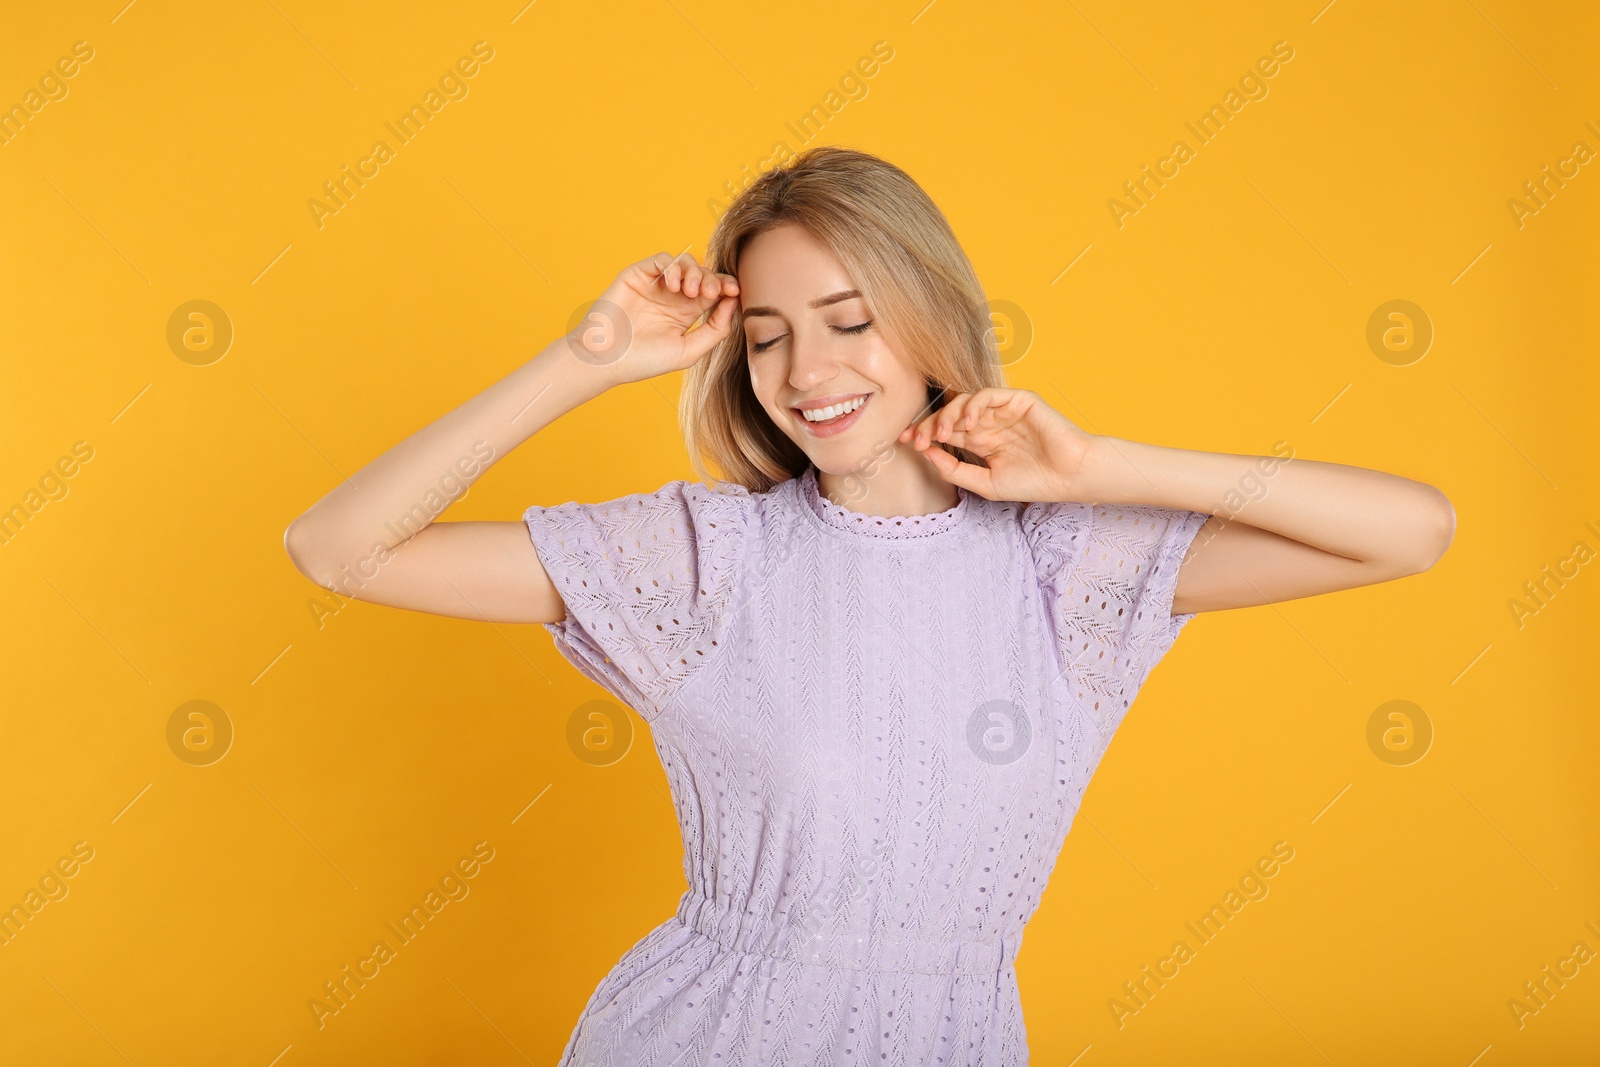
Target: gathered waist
(752,934)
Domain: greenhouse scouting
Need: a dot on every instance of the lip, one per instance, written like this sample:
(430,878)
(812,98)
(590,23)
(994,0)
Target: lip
(833,428)
(826,401)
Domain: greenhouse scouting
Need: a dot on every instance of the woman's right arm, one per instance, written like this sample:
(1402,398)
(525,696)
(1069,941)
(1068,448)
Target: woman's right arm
(374,538)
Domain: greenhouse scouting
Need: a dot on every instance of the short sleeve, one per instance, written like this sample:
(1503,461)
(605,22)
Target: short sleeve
(645,578)
(1108,573)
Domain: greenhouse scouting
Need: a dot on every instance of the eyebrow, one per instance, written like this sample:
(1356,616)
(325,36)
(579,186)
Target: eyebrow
(819,302)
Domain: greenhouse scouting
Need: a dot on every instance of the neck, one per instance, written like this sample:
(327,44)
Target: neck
(904,482)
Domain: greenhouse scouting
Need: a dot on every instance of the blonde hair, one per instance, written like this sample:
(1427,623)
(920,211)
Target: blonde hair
(899,251)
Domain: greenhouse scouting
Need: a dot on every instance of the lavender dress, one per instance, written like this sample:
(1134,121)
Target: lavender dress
(877,732)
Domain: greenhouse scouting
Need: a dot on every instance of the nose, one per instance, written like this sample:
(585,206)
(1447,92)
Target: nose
(811,360)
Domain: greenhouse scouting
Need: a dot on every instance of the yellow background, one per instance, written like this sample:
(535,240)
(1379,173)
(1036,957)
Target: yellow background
(372,751)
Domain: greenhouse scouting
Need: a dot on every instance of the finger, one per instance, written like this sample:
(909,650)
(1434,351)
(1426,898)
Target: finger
(699,338)
(920,432)
(1002,403)
(653,266)
(712,285)
(982,440)
(709,285)
(712,331)
(930,431)
(980,408)
(928,426)
(696,277)
(720,309)
(715,285)
(977,404)
(978,479)
(926,422)
(927,432)
(948,415)
(717,317)
(674,274)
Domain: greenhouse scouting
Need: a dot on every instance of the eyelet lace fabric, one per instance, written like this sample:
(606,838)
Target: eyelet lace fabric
(876,736)
(893,527)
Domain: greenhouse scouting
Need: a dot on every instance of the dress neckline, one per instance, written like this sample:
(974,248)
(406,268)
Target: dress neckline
(881,527)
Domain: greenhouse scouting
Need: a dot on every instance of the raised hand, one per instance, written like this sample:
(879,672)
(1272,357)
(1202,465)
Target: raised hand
(1034,453)
(640,326)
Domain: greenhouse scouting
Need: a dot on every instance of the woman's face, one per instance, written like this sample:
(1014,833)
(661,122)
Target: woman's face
(813,344)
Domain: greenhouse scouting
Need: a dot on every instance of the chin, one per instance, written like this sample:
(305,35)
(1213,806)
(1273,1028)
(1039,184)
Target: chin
(850,452)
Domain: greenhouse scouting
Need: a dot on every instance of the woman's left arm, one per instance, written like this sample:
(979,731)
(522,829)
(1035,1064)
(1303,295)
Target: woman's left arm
(1314,527)
(1311,527)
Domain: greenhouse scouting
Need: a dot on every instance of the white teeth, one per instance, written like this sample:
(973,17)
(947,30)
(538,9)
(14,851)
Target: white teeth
(823,414)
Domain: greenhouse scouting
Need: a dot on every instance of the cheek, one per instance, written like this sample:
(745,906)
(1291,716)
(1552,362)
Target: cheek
(883,364)
(764,382)
(903,385)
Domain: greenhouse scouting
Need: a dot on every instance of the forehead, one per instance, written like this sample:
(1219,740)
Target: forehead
(785,269)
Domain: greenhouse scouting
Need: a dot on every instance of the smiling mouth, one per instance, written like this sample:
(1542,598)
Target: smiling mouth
(833,413)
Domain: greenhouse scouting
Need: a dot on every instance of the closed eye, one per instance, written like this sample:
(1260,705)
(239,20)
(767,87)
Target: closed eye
(762,346)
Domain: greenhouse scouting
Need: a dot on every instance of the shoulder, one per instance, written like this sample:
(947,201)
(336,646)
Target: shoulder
(1057,533)
(678,507)
(1123,540)
(1054,518)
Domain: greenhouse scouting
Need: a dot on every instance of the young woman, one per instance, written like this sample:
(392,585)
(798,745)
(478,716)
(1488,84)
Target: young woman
(882,653)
